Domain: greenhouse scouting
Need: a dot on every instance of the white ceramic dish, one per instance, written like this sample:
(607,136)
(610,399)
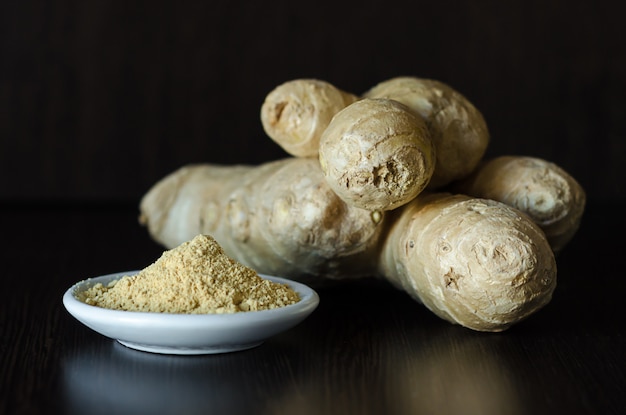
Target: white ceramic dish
(189,333)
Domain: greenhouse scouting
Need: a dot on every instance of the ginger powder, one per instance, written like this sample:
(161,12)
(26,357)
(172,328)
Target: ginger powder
(196,277)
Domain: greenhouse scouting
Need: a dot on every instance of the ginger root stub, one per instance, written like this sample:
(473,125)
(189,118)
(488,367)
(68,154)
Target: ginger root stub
(474,262)
(376,154)
(552,198)
(458,130)
(295,113)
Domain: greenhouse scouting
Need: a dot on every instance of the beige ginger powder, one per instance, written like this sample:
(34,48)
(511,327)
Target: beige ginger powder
(196,277)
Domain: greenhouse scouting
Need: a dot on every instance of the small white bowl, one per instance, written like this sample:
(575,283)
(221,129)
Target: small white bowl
(189,333)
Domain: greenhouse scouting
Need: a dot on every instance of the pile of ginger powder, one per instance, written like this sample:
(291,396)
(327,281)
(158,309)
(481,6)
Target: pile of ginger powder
(196,277)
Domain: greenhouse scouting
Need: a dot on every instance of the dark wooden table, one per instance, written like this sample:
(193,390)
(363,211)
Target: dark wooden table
(368,348)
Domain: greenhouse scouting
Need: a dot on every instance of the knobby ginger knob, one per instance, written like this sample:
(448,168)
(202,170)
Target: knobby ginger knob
(376,154)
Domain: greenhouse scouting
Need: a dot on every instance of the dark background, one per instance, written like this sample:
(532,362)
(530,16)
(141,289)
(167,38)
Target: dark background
(100,99)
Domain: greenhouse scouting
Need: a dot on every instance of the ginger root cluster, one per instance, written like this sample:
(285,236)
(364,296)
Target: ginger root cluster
(389,183)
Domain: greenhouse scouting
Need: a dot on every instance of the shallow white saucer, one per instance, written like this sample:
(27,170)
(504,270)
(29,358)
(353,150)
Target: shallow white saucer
(189,333)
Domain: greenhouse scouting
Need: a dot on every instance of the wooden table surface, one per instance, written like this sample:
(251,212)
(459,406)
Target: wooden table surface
(367,349)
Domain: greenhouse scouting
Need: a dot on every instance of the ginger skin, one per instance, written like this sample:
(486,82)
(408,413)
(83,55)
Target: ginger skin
(552,198)
(280,218)
(295,113)
(376,154)
(458,130)
(473,262)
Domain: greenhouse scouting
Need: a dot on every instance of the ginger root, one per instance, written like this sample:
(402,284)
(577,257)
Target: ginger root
(373,153)
(552,198)
(458,130)
(390,185)
(295,113)
(280,218)
(474,262)
(376,154)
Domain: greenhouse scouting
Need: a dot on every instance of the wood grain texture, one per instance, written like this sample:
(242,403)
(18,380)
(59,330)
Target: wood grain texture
(99,100)
(367,349)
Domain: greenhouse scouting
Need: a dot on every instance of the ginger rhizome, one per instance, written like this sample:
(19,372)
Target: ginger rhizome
(280,218)
(376,154)
(389,184)
(474,262)
(296,113)
(458,130)
(544,191)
